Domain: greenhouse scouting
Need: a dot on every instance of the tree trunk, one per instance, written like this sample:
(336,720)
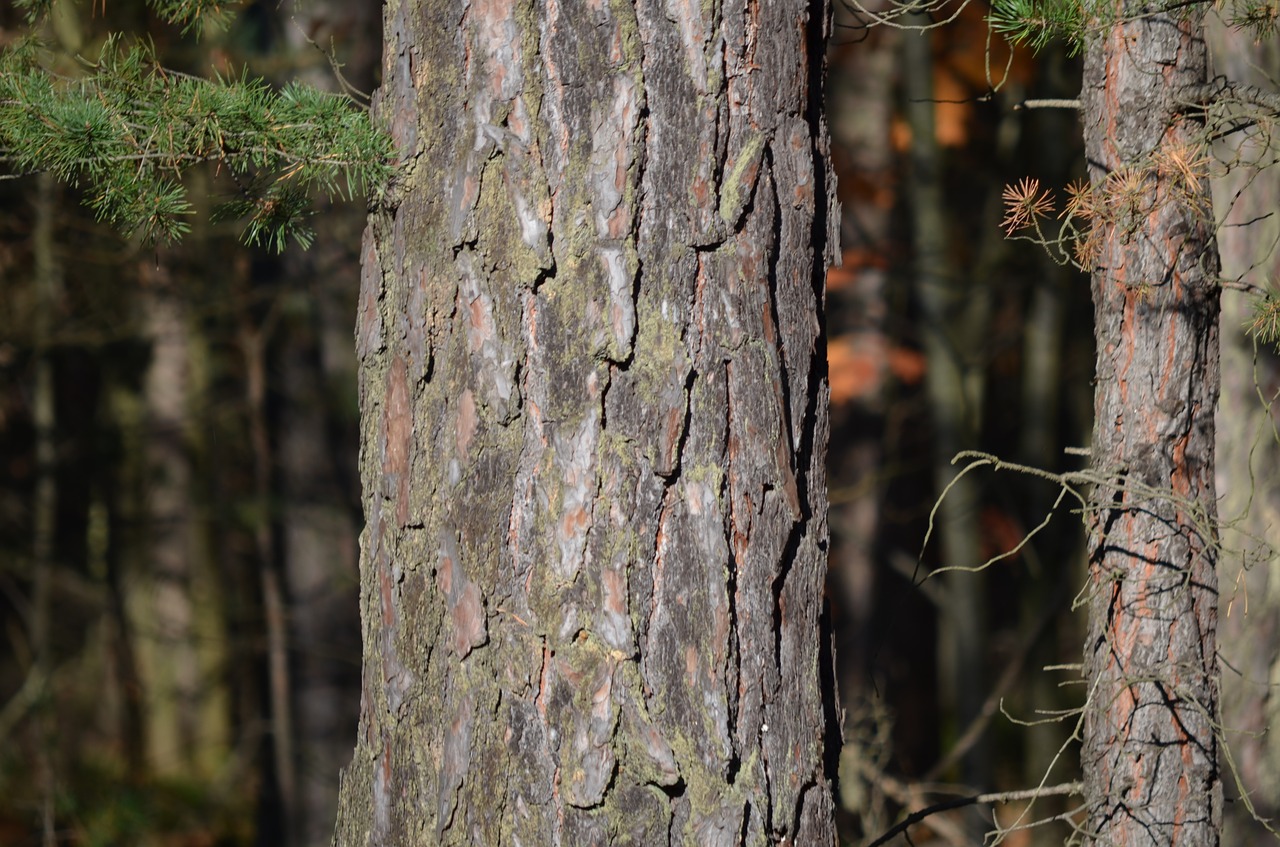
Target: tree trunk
(594,400)
(163,602)
(44,508)
(1150,749)
(1248,454)
(318,509)
(952,325)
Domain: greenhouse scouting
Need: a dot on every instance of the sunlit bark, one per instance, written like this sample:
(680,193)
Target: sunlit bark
(594,399)
(1150,752)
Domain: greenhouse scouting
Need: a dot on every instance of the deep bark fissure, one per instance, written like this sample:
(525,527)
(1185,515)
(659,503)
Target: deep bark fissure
(631,401)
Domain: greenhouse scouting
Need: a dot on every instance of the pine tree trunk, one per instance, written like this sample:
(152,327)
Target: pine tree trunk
(594,401)
(1150,750)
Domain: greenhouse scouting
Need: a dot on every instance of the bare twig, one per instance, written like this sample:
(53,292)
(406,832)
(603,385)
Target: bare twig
(1048,103)
(914,818)
(1221,88)
(1013,670)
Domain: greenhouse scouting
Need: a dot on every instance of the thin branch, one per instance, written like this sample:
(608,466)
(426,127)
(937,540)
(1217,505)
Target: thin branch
(1047,103)
(1221,88)
(1013,670)
(1067,788)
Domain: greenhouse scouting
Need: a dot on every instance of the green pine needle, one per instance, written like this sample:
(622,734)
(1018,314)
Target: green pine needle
(128,129)
(1034,23)
(1265,323)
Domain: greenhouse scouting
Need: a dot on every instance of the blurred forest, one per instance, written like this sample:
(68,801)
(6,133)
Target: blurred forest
(179,509)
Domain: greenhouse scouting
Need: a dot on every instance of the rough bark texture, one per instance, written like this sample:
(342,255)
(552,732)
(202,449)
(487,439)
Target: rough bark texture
(1150,750)
(593,390)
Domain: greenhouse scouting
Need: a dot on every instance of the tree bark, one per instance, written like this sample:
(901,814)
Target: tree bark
(594,424)
(1150,750)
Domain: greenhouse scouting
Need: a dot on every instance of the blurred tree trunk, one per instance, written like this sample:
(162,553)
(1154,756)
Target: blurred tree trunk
(1150,746)
(594,430)
(280,812)
(164,607)
(1054,559)
(861,108)
(1249,454)
(953,327)
(314,374)
(861,101)
(44,509)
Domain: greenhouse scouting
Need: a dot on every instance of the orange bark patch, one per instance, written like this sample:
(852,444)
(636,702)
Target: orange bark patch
(397,419)
(1179,479)
(465,605)
(766,320)
(481,323)
(574,521)
(385,594)
(398,424)
(613,585)
(671,431)
(467,616)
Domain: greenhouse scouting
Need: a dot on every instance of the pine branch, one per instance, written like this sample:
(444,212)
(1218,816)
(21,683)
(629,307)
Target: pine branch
(191,15)
(129,129)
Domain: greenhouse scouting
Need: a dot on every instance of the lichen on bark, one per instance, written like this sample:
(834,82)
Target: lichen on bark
(593,392)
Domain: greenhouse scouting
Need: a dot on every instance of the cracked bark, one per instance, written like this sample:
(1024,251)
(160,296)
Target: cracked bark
(594,405)
(1150,750)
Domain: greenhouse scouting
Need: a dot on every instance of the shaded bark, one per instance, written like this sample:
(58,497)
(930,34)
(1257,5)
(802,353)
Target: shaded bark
(1150,747)
(594,427)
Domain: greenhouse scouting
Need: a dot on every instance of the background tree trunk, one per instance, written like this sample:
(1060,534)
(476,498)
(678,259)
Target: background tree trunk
(163,601)
(952,322)
(313,370)
(44,508)
(1248,454)
(593,394)
(1150,750)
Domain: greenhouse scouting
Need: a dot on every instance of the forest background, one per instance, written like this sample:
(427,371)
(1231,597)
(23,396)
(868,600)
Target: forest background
(179,506)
